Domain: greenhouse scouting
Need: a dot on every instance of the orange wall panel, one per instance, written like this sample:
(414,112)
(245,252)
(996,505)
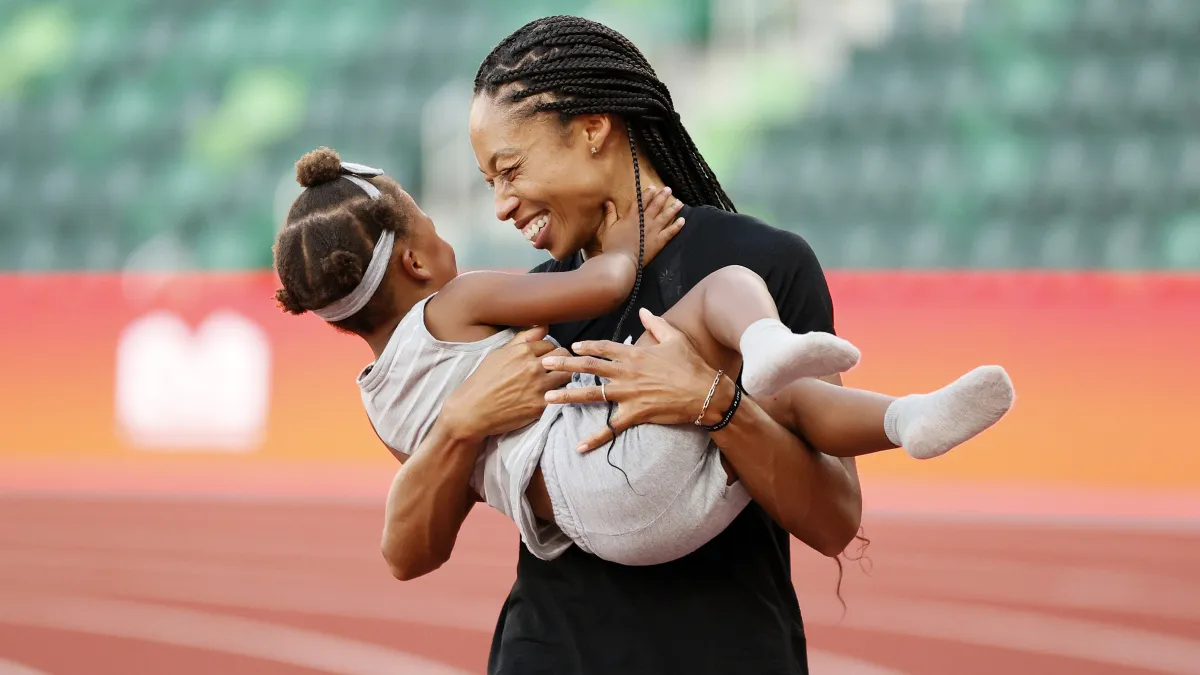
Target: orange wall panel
(1106,368)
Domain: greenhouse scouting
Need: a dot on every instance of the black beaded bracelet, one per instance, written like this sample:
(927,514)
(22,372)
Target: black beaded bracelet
(737,399)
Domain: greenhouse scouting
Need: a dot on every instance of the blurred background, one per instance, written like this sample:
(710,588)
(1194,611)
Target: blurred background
(189,484)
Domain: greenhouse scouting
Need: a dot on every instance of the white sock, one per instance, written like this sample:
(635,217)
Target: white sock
(928,425)
(774,357)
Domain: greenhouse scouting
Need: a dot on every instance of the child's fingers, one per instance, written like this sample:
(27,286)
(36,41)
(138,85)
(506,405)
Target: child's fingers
(671,230)
(654,207)
(610,214)
(673,208)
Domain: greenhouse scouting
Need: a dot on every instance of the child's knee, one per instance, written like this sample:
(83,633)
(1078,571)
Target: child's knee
(738,275)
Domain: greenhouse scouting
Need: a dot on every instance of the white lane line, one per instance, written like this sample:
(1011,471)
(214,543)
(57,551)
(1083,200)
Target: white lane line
(14,668)
(219,633)
(284,589)
(1021,631)
(827,663)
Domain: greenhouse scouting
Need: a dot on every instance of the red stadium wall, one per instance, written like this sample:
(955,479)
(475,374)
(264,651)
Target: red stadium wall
(1106,369)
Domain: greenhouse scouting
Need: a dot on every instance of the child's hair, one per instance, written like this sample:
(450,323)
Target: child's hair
(327,241)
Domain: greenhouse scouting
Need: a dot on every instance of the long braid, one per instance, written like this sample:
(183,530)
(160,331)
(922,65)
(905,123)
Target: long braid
(637,280)
(630,302)
(573,66)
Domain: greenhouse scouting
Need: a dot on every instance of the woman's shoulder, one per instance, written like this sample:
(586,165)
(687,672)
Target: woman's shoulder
(783,259)
(743,239)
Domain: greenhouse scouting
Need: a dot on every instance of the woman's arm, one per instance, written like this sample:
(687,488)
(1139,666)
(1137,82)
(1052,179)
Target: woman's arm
(431,495)
(597,288)
(814,497)
(429,501)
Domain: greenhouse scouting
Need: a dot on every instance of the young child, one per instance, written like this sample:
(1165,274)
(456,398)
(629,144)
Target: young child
(358,252)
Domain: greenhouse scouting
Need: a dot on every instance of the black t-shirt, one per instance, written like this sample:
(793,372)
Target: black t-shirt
(728,607)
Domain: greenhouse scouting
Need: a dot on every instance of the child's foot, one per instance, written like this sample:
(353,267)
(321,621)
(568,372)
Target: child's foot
(928,425)
(774,357)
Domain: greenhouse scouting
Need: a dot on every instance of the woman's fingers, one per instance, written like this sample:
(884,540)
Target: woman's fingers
(660,328)
(605,349)
(619,423)
(581,395)
(555,380)
(589,365)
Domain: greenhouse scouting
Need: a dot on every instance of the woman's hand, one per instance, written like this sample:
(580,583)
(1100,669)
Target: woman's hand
(507,390)
(621,235)
(661,384)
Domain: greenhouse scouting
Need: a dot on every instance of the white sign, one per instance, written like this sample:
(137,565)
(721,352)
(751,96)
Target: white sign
(210,389)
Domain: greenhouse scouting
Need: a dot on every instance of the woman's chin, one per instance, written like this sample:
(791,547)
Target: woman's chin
(558,252)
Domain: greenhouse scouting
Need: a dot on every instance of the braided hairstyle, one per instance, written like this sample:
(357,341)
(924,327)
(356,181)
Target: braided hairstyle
(573,66)
(327,241)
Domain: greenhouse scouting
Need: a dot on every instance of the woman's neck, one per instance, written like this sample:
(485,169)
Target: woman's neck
(625,195)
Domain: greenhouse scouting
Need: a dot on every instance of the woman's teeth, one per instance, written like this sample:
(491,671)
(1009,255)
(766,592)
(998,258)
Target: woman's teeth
(532,229)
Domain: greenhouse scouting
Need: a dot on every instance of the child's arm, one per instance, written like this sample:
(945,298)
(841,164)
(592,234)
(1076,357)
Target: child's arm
(598,287)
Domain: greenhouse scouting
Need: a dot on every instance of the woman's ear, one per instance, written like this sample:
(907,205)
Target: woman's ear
(596,130)
(413,266)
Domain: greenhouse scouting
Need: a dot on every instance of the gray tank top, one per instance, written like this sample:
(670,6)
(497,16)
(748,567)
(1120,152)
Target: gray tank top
(403,392)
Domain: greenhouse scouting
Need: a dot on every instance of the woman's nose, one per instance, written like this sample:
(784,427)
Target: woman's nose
(506,206)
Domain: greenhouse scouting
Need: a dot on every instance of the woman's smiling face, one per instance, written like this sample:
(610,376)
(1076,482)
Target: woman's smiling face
(545,177)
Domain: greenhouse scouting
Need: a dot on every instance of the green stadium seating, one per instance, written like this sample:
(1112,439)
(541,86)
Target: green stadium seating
(1034,134)
(1055,134)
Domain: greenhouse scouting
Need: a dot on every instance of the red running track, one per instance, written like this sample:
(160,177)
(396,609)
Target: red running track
(192,585)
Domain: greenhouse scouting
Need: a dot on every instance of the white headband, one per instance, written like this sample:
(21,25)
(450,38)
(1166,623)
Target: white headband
(380,257)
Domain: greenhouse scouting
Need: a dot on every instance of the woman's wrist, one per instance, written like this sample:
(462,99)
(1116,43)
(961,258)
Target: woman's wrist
(722,398)
(458,425)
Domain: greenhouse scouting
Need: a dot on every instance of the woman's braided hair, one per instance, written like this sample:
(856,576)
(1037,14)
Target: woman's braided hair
(573,66)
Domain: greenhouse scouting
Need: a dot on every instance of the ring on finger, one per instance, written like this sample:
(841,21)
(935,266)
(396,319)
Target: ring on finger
(602,394)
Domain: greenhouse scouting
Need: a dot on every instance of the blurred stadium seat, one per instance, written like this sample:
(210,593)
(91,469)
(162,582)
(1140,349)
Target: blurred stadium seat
(1031,134)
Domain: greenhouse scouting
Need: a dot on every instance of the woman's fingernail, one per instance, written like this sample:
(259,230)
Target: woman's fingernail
(551,361)
(582,447)
(552,396)
(577,346)
(666,190)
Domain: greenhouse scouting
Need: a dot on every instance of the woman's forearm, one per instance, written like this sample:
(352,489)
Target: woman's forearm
(428,502)
(814,497)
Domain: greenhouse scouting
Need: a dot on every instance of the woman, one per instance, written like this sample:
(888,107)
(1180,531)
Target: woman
(568,114)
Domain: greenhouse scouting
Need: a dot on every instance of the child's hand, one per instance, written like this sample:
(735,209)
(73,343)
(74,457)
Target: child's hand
(620,235)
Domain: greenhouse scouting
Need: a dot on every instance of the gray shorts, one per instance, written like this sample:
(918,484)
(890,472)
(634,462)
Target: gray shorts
(674,501)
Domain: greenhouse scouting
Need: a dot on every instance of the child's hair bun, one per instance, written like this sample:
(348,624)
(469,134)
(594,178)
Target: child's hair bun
(318,167)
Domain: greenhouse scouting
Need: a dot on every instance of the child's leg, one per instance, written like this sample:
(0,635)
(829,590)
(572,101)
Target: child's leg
(731,310)
(730,313)
(850,422)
